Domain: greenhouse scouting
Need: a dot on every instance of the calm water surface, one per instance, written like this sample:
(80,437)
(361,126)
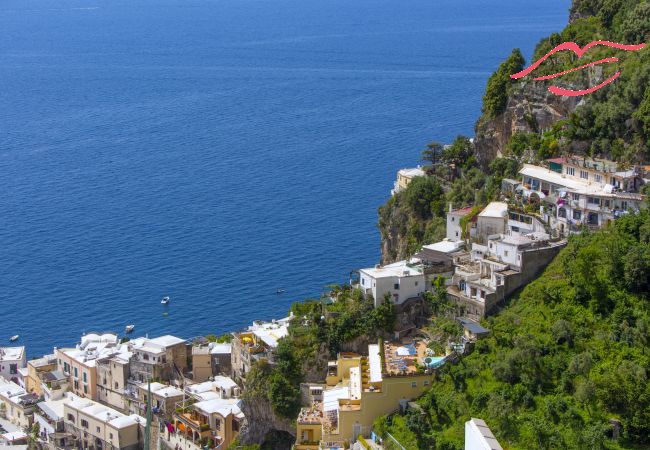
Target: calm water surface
(217,150)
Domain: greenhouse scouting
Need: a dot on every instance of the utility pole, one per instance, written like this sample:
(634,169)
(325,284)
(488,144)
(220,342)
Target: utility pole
(147,429)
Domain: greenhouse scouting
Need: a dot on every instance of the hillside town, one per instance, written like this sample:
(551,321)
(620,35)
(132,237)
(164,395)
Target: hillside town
(114,392)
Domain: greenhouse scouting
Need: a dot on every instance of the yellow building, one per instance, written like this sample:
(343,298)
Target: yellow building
(36,368)
(404,178)
(93,425)
(16,405)
(201,363)
(359,390)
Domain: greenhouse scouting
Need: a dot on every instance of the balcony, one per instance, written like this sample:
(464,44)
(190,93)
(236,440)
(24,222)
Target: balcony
(192,424)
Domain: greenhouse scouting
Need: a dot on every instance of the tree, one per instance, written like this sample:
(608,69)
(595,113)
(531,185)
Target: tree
(586,394)
(432,153)
(496,91)
(284,396)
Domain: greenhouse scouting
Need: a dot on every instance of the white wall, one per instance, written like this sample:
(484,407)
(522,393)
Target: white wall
(506,253)
(490,225)
(409,286)
(454,232)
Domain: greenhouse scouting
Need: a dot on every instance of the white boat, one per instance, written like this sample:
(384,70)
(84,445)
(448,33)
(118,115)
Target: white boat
(165,300)
(14,338)
(129,328)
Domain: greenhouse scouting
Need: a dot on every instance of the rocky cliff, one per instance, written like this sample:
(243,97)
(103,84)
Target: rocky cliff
(530,108)
(264,426)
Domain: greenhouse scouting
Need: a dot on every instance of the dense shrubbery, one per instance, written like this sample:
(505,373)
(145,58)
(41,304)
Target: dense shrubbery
(614,121)
(419,212)
(563,359)
(316,328)
(499,84)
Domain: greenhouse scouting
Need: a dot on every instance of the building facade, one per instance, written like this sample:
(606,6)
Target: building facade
(12,360)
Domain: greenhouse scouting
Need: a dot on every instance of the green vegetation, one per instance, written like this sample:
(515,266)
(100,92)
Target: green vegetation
(500,84)
(614,121)
(564,358)
(317,329)
(418,214)
(224,338)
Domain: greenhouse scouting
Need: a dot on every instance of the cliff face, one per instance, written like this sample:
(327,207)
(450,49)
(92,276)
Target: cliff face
(264,426)
(529,108)
(392,228)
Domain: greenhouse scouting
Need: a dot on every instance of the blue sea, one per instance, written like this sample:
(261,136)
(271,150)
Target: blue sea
(218,150)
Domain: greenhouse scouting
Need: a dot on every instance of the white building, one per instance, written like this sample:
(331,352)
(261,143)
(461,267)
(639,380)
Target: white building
(404,178)
(401,281)
(492,220)
(49,416)
(578,192)
(16,404)
(12,360)
(454,229)
(478,436)
(495,270)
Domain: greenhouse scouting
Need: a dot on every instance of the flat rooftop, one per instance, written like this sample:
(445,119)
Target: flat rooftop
(12,353)
(495,209)
(397,269)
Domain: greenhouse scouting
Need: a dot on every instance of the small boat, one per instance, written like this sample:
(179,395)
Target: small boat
(164,301)
(279,291)
(129,328)
(14,338)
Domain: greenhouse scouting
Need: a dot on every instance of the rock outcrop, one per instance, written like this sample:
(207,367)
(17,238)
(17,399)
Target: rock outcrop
(264,426)
(530,108)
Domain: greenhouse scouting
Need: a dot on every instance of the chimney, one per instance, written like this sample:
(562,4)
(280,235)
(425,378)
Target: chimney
(450,207)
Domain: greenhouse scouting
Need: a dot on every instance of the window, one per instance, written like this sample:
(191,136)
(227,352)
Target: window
(456,233)
(76,385)
(117,385)
(66,367)
(363,282)
(570,171)
(576,197)
(426,382)
(98,429)
(561,213)
(84,376)
(584,174)
(76,373)
(110,435)
(84,423)
(396,286)
(599,178)
(70,417)
(416,283)
(593,200)
(505,253)
(453,219)
(607,203)
(104,381)
(414,384)
(577,215)
(145,357)
(13,369)
(624,204)
(85,389)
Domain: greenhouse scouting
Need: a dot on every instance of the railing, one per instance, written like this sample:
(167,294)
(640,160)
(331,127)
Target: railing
(390,443)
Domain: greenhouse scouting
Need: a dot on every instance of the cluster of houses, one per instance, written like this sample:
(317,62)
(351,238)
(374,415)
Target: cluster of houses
(96,395)
(489,254)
